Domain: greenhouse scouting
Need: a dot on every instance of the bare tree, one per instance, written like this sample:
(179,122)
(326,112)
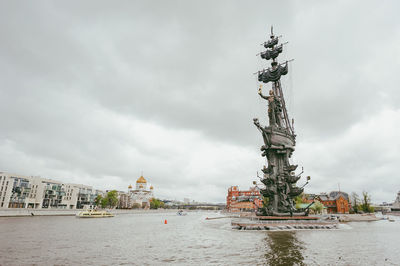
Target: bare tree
(366,203)
(355,201)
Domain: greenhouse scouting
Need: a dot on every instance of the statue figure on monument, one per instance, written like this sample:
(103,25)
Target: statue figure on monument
(274,108)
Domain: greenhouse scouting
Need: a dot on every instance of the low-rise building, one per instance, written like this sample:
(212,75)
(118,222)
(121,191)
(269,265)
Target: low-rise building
(124,200)
(243,200)
(335,201)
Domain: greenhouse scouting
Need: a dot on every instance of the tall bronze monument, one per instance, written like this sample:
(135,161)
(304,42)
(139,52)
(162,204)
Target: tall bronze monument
(279,140)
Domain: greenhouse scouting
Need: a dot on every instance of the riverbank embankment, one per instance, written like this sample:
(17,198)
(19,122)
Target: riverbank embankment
(368,217)
(63,212)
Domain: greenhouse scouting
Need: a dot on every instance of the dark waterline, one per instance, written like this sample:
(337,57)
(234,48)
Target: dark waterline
(144,239)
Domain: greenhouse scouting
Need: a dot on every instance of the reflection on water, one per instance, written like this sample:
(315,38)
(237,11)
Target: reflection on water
(283,248)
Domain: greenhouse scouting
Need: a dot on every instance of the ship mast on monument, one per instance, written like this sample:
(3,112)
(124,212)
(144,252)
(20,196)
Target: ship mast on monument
(279,138)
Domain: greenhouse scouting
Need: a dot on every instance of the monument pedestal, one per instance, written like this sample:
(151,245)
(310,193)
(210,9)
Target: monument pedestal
(275,223)
(285,218)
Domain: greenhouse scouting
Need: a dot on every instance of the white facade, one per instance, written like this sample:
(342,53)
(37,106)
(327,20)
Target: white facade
(70,199)
(35,197)
(17,191)
(6,185)
(141,194)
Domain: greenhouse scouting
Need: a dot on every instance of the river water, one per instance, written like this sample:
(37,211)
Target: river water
(144,239)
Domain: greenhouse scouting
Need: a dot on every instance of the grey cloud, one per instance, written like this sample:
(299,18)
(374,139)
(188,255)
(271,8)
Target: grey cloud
(77,77)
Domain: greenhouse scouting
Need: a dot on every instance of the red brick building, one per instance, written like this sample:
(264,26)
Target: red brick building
(243,200)
(335,201)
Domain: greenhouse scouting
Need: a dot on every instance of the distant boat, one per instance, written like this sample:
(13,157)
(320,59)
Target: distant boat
(94,214)
(181,213)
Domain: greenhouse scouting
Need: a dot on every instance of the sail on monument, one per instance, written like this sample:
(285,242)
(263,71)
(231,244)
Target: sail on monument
(279,139)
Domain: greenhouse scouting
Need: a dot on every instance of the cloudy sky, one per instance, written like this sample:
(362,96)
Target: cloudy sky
(96,92)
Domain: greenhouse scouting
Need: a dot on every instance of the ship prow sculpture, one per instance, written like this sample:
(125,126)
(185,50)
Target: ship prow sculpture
(279,138)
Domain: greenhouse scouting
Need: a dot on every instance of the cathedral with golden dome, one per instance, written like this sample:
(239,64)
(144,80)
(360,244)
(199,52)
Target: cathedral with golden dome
(141,194)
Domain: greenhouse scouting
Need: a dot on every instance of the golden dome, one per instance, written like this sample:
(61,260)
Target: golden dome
(141,180)
(130,186)
(141,186)
(151,187)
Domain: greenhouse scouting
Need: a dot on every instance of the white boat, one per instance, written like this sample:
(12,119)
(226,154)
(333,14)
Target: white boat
(181,213)
(94,214)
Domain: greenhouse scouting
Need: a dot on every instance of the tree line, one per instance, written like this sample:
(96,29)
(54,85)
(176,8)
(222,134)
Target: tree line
(110,200)
(361,205)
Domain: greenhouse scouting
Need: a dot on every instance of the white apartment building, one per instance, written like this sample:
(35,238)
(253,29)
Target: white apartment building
(6,186)
(87,196)
(17,191)
(35,196)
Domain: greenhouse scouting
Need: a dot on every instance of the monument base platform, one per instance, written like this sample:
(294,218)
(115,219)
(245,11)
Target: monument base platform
(285,218)
(275,223)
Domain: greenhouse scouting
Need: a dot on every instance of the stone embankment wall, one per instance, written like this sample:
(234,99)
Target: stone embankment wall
(29,212)
(62,212)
